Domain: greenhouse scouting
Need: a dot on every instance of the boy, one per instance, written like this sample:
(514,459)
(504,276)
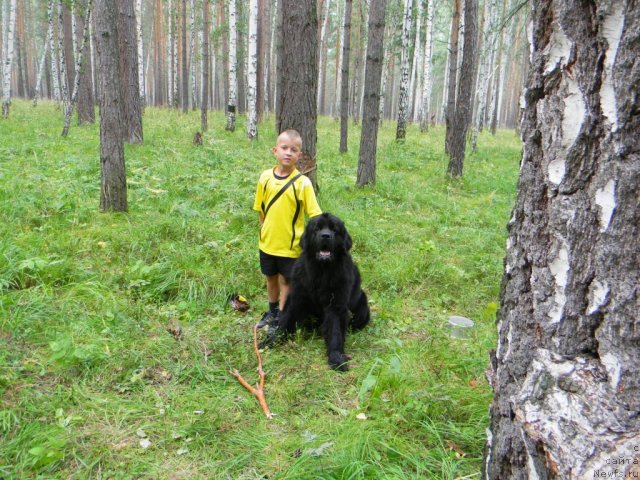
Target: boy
(283,197)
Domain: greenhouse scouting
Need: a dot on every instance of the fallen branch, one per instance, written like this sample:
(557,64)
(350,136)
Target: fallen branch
(257,391)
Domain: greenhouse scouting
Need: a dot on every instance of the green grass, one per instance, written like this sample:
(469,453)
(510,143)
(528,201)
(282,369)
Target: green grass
(87,366)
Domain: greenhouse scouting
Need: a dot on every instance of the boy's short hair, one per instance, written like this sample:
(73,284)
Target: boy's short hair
(292,134)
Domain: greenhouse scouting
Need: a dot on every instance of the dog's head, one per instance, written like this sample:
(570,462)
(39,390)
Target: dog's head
(325,238)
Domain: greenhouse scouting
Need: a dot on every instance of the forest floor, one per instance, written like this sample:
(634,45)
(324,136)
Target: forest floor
(95,381)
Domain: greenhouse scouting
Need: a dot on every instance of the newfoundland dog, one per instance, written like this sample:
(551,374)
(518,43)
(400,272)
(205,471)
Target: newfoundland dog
(325,289)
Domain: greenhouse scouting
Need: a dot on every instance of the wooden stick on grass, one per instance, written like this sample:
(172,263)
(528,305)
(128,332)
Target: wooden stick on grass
(257,391)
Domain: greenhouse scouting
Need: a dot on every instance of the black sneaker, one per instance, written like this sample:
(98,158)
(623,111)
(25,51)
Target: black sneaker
(273,324)
(267,317)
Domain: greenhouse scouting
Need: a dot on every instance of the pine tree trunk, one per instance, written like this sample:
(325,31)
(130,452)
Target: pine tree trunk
(204,104)
(566,374)
(464,98)
(371,108)
(132,115)
(300,83)
(233,61)
(8,61)
(252,90)
(113,191)
(452,79)
(344,77)
(403,107)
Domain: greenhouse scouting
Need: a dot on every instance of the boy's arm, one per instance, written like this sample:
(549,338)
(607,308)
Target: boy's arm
(261,218)
(311,207)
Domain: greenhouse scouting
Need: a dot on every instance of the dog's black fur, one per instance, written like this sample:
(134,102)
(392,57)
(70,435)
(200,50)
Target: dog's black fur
(325,286)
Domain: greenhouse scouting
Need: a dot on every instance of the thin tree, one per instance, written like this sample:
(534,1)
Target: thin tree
(566,373)
(464,98)
(497,75)
(371,107)
(132,113)
(141,72)
(184,97)
(252,73)
(53,55)
(427,81)
(76,76)
(233,61)
(204,104)
(415,86)
(403,108)
(322,54)
(113,189)
(85,101)
(298,108)
(344,77)
(8,60)
(453,74)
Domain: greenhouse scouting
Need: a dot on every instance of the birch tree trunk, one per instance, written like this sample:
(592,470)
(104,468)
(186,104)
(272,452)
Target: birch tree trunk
(113,179)
(465,95)
(54,55)
(77,69)
(204,104)
(64,86)
(192,56)
(131,113)
(453,74)
(233,60)
(403,107)
(497,73)
(252,90)
(566,374)
(184,97)
(41,65)
(8,60)
(416,68)
(371,107)
(322,54)
(427,81)
(344,77)
(141,72)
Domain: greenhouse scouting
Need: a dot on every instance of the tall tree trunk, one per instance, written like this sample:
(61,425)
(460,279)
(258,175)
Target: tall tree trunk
(403,108)
(252,84)
(62,51)
(566,374)
(204,104)
(484,65)
(77,70)
(192,57)
(300,83)
(241,53)
(453,74)
(233,62)
(497,73)
(159,63)
(8,60)
(54,54)
(322,56)
(371,108)
(86,103)
(344,77)
(415,86)
(184,97)
(113,191)
(67,44)
(427,81)
(465,95)
(131,113)
(140,50)
(42,64)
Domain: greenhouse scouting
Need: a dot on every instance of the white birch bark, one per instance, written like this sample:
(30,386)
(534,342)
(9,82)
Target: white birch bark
(64,90)
(41,68)
(141,72)
(233,60)
(76,73)
(252,72)
(322,54)
(192,52)
(8,60)
(403,107)
(488,44)
(427,80)
(74,28)
(170,56)
(416,68)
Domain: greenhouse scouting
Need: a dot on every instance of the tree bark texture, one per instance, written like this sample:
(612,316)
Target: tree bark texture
(403,107)
(113,191)
(464,105)
(8,60)
(184,95)
(127,37)
(566,373)
(452,84)
(371,107)
(344,77)
(204,104)
(86,107)
(299,76)
(233,80)
(252,72)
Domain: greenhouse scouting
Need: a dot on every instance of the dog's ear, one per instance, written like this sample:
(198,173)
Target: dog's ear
(347,242)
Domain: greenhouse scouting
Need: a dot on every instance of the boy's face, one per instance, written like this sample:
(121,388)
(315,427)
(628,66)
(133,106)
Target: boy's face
(287,151)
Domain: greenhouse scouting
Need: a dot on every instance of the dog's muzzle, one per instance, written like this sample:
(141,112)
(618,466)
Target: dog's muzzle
(325,238)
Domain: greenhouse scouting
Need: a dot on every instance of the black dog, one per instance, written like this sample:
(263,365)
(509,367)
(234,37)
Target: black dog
(325,285)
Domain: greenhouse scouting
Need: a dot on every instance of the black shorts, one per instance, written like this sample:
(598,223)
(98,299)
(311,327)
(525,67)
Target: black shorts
(272,265)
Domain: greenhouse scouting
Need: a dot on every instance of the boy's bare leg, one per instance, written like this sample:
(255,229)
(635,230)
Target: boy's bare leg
(284,290)
(273,288)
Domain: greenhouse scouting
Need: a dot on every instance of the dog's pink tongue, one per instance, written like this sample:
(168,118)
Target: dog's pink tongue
(325,253)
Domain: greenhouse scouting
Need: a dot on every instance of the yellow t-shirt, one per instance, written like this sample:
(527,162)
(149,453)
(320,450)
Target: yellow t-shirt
(284,218)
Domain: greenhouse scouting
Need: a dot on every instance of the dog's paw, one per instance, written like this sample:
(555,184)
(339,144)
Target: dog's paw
(338,361)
